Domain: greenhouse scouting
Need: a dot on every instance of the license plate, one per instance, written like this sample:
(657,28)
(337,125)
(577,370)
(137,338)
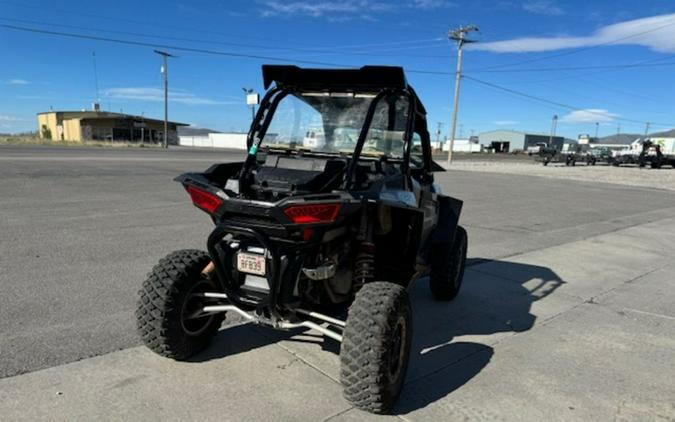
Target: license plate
(251,263)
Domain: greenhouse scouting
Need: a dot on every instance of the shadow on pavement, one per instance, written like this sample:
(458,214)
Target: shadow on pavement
(486,305)
(496,297)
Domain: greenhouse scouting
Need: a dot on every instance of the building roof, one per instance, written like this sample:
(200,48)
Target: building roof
(195,131)
(106,115)
(518,132)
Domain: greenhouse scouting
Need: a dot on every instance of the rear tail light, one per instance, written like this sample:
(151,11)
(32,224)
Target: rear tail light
(204,200)
(315,213)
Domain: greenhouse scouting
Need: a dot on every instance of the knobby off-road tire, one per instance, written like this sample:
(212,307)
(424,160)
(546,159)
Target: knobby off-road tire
(167,297)
(447,266)
(376,346)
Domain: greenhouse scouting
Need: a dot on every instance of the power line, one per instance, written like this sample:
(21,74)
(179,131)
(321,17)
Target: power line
(281,59)
(308,50)
(645,63)
(564,69)
(166,46)
(559,104)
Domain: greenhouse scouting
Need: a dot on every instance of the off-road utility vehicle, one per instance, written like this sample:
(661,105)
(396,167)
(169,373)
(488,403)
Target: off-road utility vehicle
(325,235)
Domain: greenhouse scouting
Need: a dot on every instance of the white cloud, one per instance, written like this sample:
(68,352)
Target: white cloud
(17,82)
(655,32)
(344,9)
(431,4)
(543,7)
(7,118)
(321,8)
(589,115)
(505,122)
(156,94)
(10,122)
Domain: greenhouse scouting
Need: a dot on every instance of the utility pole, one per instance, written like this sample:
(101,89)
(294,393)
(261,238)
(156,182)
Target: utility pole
(597,126)
(647,129)
(142,128)
(554,124)
(438,133)
(618,128)
(458,35)
(165,72)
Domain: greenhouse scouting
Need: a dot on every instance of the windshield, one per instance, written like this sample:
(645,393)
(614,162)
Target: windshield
(332,122)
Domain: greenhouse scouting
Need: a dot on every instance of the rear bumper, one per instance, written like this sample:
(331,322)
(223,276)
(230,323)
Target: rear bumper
(283,261)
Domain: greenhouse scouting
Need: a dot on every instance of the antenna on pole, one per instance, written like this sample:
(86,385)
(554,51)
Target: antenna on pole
(97,99)
(458,35)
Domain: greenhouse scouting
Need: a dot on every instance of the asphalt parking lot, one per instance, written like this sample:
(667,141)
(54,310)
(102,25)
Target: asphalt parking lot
(568,310)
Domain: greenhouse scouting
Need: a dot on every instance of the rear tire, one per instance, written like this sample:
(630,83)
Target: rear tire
(447,266)
(376,346)
(166,300)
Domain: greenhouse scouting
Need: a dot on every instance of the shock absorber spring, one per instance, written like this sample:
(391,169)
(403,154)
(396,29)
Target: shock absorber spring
(364,268)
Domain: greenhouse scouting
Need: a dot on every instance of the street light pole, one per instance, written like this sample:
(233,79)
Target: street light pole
(554,124)
(252,99)
(165,72)
(458,35)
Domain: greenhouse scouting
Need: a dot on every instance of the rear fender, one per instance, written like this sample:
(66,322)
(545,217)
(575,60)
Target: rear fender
(449,209)
(396,250)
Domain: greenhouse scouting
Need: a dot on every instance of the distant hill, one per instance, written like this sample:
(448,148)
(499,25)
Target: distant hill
(667,134)
(194,131)
(621,139)
(627,138)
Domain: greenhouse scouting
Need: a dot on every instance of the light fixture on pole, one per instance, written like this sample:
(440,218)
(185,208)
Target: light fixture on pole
(252,100)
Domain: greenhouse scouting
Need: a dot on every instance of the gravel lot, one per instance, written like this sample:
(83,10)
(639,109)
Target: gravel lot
(625,176)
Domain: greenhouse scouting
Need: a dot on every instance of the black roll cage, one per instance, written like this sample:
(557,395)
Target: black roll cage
(416,122)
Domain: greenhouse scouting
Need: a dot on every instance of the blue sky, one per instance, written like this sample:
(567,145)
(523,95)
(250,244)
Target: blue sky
(566,52)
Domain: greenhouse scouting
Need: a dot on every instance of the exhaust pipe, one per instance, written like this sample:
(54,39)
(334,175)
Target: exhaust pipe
(208,270)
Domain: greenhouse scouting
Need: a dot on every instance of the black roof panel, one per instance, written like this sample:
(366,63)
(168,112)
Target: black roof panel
(362,79)
(375,77)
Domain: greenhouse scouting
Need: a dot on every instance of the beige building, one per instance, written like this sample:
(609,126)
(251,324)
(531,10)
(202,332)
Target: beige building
(103,126)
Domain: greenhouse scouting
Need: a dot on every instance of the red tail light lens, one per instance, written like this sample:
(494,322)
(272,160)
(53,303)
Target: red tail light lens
(317,213)
(203,199)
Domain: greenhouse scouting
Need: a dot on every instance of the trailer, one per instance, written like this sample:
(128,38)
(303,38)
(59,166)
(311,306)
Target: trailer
(657,152)
(569,156)
(653,152)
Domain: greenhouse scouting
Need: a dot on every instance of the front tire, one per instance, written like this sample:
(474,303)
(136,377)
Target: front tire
(167,314)
(376,346)
(447,266)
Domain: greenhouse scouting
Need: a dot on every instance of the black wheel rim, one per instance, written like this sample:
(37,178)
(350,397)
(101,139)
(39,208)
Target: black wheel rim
(397,349)
(192,320)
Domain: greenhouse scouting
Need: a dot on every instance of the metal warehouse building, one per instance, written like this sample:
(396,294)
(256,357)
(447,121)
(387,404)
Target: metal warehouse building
(514,141)
(103,126)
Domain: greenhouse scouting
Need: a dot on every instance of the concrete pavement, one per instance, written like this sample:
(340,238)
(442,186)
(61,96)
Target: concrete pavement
(556,334)
(567,310)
